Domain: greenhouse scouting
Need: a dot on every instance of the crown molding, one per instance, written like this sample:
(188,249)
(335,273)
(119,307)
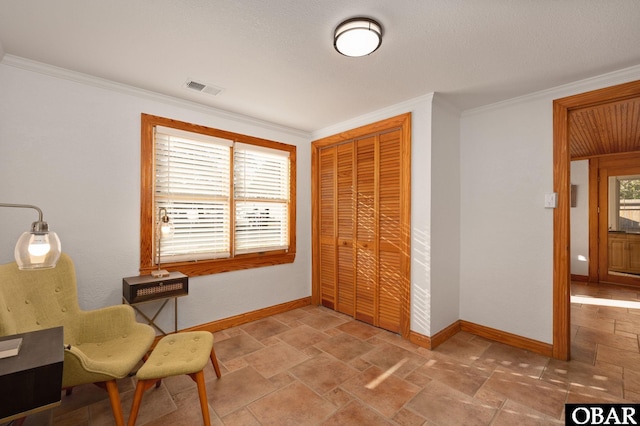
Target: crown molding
(372,117)
(102,83)
(441,100)
(585,85)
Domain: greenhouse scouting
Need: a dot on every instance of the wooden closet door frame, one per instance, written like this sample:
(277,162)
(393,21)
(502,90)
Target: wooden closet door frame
(402,122)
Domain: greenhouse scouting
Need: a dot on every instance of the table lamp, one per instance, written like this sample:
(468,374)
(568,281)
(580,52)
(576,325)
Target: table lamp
(164,229)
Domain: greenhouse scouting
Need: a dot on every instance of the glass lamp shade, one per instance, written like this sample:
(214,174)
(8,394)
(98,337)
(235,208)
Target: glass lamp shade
(358,37)
(37,250)
(166,229)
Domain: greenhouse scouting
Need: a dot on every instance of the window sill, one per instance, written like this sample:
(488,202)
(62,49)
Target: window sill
(216,266)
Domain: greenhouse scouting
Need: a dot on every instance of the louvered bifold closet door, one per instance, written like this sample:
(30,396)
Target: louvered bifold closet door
(390,245)
(327,227)
(346,217)
(362,225)
(366,231)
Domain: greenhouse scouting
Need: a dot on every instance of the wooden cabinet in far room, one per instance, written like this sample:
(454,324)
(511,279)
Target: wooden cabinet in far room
(624,252)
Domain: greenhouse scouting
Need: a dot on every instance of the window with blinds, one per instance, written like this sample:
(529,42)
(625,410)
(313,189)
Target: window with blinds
(230,197)
(192,182)
(261,195)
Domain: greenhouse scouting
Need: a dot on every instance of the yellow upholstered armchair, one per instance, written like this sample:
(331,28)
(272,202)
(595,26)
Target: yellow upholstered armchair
(102,345)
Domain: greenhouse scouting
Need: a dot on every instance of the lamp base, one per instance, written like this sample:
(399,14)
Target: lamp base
(159,273)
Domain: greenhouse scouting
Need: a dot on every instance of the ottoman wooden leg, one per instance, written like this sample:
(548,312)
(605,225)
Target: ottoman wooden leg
(202,393)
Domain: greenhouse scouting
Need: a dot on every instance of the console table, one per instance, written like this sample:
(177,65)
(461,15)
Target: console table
(146,288)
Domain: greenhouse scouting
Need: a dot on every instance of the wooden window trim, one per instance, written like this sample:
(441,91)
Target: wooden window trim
(147,211)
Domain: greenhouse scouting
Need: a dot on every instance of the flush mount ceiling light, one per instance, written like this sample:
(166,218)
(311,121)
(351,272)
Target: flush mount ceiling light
(357,37)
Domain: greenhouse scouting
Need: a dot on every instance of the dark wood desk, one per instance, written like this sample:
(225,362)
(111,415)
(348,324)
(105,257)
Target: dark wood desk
(32,380)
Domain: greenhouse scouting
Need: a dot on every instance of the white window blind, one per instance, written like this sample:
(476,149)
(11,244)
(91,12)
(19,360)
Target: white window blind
(192,182)
(261,194)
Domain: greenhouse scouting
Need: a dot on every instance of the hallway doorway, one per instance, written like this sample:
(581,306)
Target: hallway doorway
(583,127)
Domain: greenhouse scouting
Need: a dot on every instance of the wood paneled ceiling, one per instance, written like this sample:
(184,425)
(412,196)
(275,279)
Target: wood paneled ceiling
(610,128)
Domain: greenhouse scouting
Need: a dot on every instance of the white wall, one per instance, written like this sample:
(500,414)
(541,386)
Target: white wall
(580,219)
(71,146)
(506,234)
(445,216)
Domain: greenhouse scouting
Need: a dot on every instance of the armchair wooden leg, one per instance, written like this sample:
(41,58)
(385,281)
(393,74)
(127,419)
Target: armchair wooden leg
(141,388)
(114,397)
(214,361)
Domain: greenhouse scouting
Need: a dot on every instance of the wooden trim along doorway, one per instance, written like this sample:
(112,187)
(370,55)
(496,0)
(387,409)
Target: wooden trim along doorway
(561,185)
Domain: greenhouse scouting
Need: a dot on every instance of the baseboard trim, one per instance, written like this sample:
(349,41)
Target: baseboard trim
(236,320)
(499,336)
(581,278)
(510,339)
(435,340)
(445,334)
(414,337)
(420,340)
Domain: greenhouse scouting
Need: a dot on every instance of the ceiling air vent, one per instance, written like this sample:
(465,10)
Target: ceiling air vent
(203,87)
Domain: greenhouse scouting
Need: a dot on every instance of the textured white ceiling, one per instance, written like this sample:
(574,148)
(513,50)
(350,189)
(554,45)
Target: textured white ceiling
(276,62)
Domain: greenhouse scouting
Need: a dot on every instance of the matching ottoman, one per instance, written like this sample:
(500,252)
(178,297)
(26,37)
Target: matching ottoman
(175,354)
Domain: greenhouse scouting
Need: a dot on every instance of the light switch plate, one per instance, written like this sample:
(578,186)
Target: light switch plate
(551,200)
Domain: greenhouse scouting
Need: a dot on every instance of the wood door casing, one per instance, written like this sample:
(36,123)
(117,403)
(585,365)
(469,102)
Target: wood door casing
(366,273)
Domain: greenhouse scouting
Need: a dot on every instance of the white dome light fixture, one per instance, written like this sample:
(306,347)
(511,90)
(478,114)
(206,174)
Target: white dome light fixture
(357,37)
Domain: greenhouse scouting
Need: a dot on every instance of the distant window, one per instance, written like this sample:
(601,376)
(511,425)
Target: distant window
(230,197)
(628,203)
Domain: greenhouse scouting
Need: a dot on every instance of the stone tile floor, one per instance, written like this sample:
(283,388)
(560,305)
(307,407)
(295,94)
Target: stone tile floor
(314,366)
